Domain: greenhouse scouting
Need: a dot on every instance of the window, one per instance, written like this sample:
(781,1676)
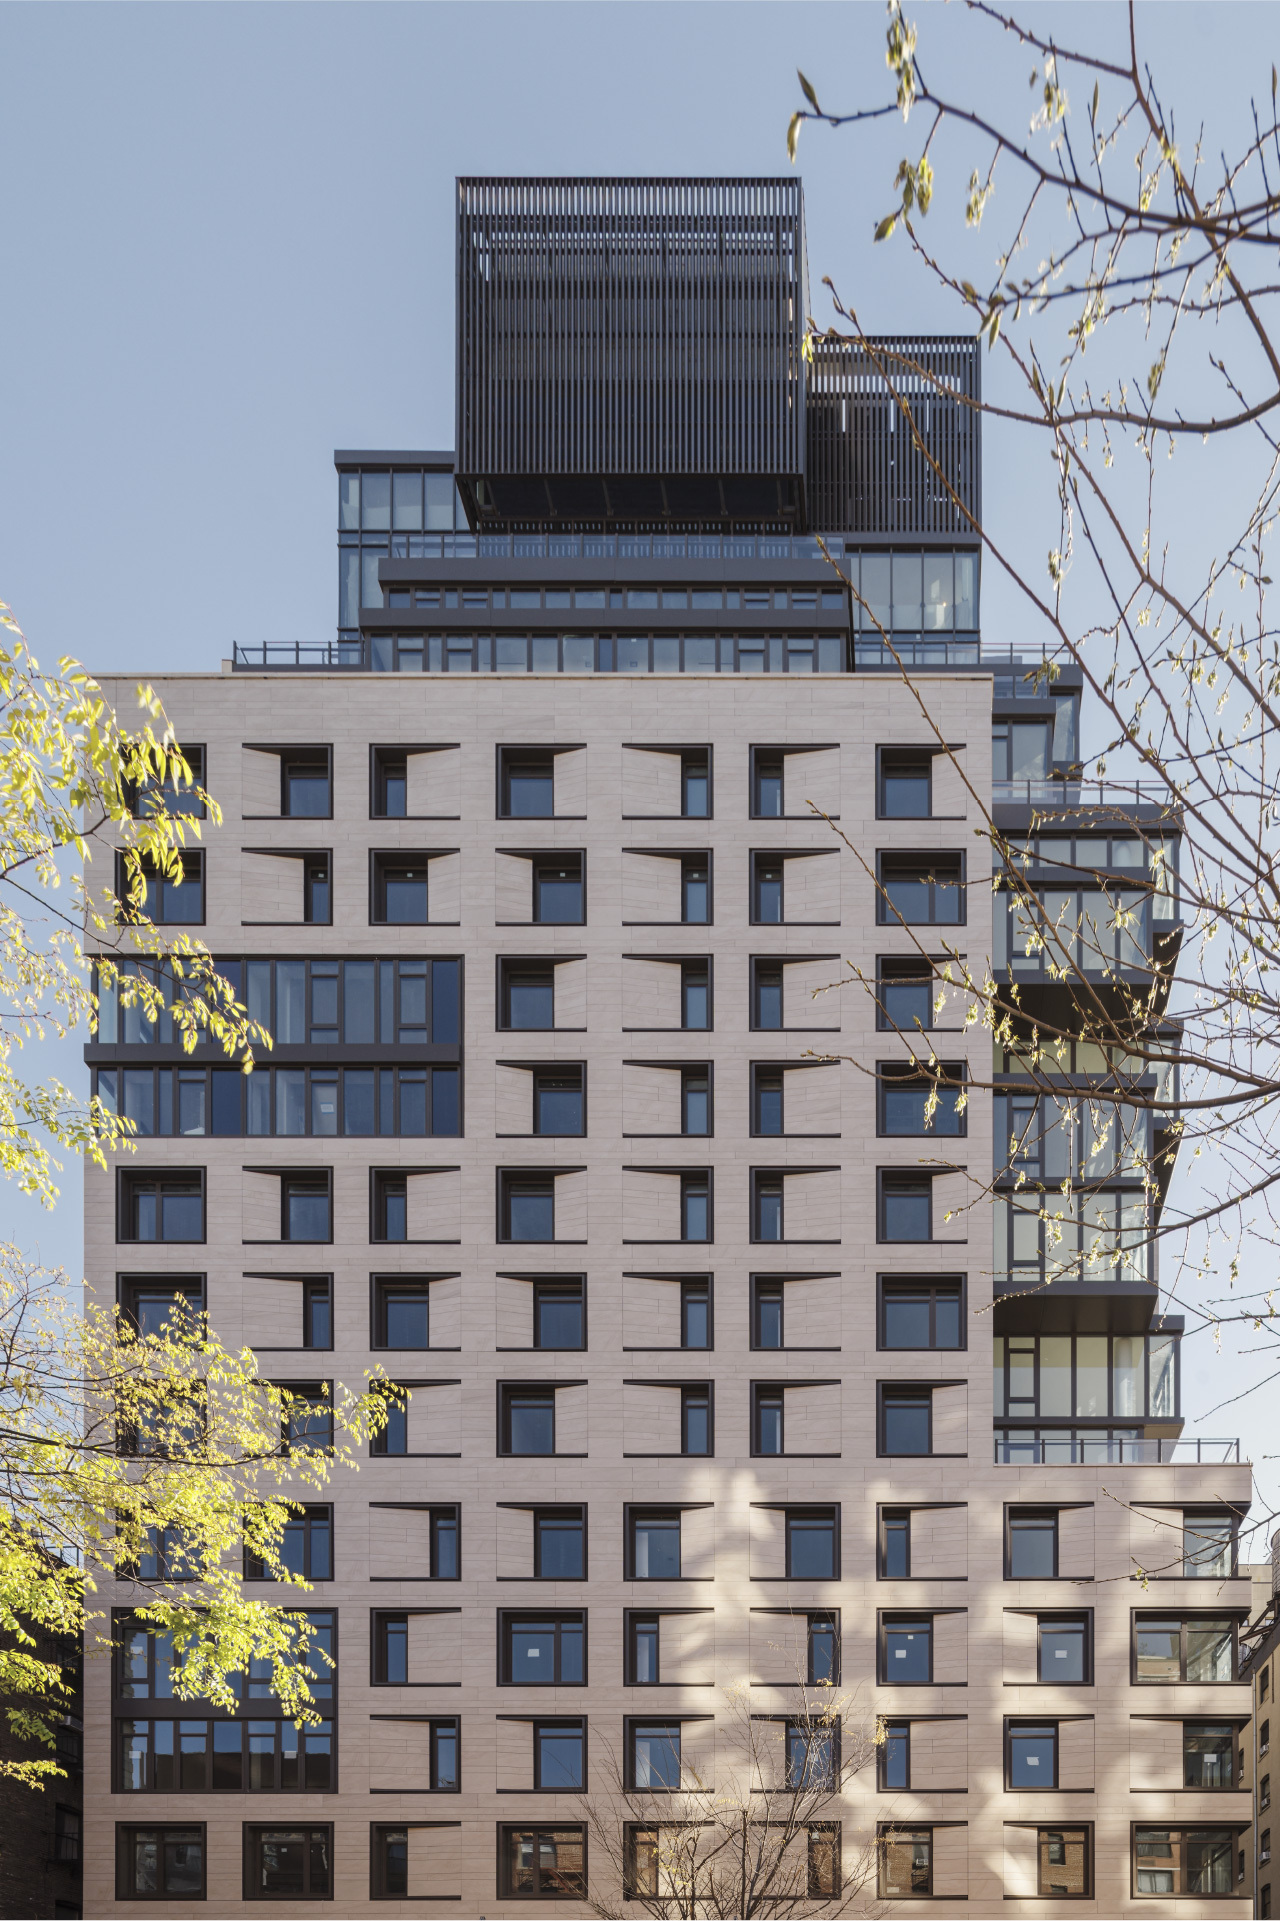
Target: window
(695,1207)
(1264,1738)
(1182,1860)
(906,1206)
(766,1207)
(559,1755)
(161,1207)
(1031,1544)
(695,994)
(921,890)
(559,1101)
(390,1650)
(445,1759)
(767,1313)
(655,1546)
(824,1876)
(305,784)
(1264,1903)
(1208,1546)
(288,1864)
(66,1833)
(812,1756)
(305,1207)
(766,995)
(559,891)
(895,1544)
(164,1308)
(906,784)
(695,783)
(906,1863)
(1062,1855)
(160,1864)
(390,791)
(445,1562)
(822,1650)
(766,1420)
(548,1864)
(308,1419)
(527,996)
(643,1650)
(906,1650)
(194,1756)
(1264,1791)
(895,1756)
(695,1314)
(317,1314)
(695,889)
(1062,1651)
(170,797)
(528,1420)
(390,1207)
(528,1207)
(1194,1648)
(696,1436)
(306,1548)
(767,768)
(560,1544)
(766,890)
(170,899)
(922,1314)
(766,1100)
(904,1097)
(400,890)
(1208,1756)
(527,778)
(544,1650)
(559,1314)
(905,995)
(812,1544)
(1031,1755)
(390,1863)
(695,1101)
(1264,1685)
(401,1314)
(905,1420)
(317,895)
(653,1756)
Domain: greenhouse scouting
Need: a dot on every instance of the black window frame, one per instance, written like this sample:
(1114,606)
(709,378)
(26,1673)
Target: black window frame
(125,1830)
(765,1180)
(1185,1617)
(691,1291)
(509,1830)
(540,865)
(300,757)
(890,1072)
(694,972)
(696,869)
(538,1393)
(801,1511)
(317,1292)
(531,756)
(513,967)
(253,1834)
(383,1288)
(400,863)
(1083,1619)
(633,1621)
(760,757)
(945,1286)
(509,1619)
(1022,1724)
(559,1512)
(516,1180)
(895,1518)
(1030,1515)
(770,1396)
(1179,1831)
(384,763)
(313,1517)
(768,1071)
(828,1834)
(897,1729)
(889,1180)
(928,865)
(891,968)
(304,1181)
(131,1181)
(317,890)
(700,1395)
(768,964)
(692,1185)
(147,801)
(194,870)
(632,1725)
(564,1071)
(1204,1726)
(557,1723)
(766,858)
(637,1513)
(387,1183)
(692,758)
(690,1075)
(904,1621)
(890,757)
(914,1832)
(565,1287)
(822,1619)
(1065,1828)
(902,1394)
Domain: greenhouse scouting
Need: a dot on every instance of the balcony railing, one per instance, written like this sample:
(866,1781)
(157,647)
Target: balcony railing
(1013,1449)
(1057,790)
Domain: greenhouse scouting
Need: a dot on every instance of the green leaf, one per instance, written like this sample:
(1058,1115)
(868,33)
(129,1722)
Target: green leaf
(886,226)
(793,134)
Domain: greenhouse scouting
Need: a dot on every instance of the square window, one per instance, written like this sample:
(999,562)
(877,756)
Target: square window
(560,1544)
(906,784)
(544,1650)
(559,891)
(305,1207)
(1062,1651)
(812,1544)
(306,1548)
(906,1096)
(905,992)
(526,783)
(527,1207)
(921,890)
(288,1864)
(1063,1857)
(401,1312)
(528,1420)
(906,1651)
(654,1756)
(1031,1756)
(920,1314)
(559,1314)
(527,996)
(160,1863)
(306,786)
(905,1206)
(1032,1544)
(559,1101)
(906,1422)
(559,1754)
(161,1207)
(548,1864)
(400,889)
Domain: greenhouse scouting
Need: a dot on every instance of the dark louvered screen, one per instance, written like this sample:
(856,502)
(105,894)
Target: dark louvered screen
(631,348)
(870,470)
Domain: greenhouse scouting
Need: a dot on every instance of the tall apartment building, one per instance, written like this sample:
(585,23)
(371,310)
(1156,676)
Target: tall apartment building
(523,870)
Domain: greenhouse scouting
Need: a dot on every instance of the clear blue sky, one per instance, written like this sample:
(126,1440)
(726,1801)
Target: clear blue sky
(227,234)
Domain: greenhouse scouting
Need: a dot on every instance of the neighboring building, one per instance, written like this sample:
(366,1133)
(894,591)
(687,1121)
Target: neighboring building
(40,1828)
(1260,1664)
(523,872)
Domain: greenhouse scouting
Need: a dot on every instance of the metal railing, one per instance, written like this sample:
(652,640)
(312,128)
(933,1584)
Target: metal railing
(1058,790)
(324,654)
(1033,1450)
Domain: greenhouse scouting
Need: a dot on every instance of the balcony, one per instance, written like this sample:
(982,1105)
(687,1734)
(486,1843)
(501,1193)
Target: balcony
(1067,1447)
(1061,791)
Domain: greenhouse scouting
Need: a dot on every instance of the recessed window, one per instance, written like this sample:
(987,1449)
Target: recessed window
(306,1547)
(154,798)
(559,892)
(528,1207)
(822,1650)
(559,1315)
(390,1207)
(653,1756)
(393,1436)
(1188,1648)
(544,1650)
(163,1309)
(305,1207)
(655,1546)
(695,889)
(1208,1755)
(913,1102)
(390,1650)
(906,1206)
(812,1544)
(317,1313)
(317,890)
(548,1864)
(904,996)
(308,1418)
(906,1422)
(895,1544)
(766,890)
(695,1207)
(695,1101)
(695,1314)
(1174,1861)
(1062,1657)
(921,890)
(643,1650)
(766,1094)
(906,783)
(527,996)
(767,1309)
(390,796)
(306,791)
(1031,1755)
(161,1207)
(527,783)
(767,1435)
(1063,1857)
(558,1101)
(695,1420)
(695,783)
(906,1863)
(401,1313)
(560,1544)
(695,994)
(288,1864)
(160,1863)
(559,1755)
(400,890)
(1208,1546)
(766,995)
(528,1420)
(920,1314)
(1032,1544)
(766,783)
(767,1223)
(906,1650)
(175,899)
(895,1756)
(811,1756)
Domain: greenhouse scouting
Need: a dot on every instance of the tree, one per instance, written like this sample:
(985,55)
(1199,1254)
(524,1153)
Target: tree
(148,1454)
(749,1828)
(1132,359)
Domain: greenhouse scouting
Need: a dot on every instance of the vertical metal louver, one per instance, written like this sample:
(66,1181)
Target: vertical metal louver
(630,328)
(865,471)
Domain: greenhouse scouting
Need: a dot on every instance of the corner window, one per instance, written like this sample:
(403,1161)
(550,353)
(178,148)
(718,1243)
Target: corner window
(1174,1861)
(1208,1755)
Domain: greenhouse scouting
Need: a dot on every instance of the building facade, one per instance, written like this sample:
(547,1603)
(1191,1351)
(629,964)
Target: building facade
(591,880)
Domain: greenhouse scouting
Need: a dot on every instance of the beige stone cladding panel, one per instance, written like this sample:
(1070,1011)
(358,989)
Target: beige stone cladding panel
(1155,1541)
(260,1206)
(811,1311)
(811,889)
(939,1755)
(1076,1754)
(1021,1645)
(650,995)
(513,1754)
(650,1205)
(811,1418)
(571,1205)
(513,888)
(698,1542)
(434,1210)
(939,1543)
(435,1413)
(951,1418)
(650,1418)
(950,1860)
(651,889)
(1076,1542)
(434,784)
(444,889)
(273,1310)
(400,1754)
(435,1649)
(513,1099)
(779,1640)
(271,889)
(399,1542)
(572,1419)
(811,1206)
(811,1099)
(951,1646)
(260,784)
(810,998)
(570,993)
(687,1643)
(651,784)
(768,1542)
(1155,1757)
(650,1312)
(951,797)
(811,781)
(1021,1860)
(569,783)
(514,1543)
(435,1860)
(651,1102)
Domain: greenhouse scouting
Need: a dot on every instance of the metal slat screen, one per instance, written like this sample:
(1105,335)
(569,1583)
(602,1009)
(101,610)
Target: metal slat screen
(630,327)
(865,472)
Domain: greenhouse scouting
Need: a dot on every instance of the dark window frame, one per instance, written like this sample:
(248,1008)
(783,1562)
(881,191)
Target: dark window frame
(769,963)
(507,1830)
(766,857)
(302,756)
(559,1511)
(895,1831)
(541,1392)
(692,1289)
(704,1395)
(887,1180)
(194,869)
(511,1618)
(693,1183)
(512,965)
(945,1285)
(309,1519)
(690,865)
(889,757)
(124,1866)
(917,1621)
(566,858)
(767,1285)
(631,1726)
(388,860)
(889,1393)
(689,970)
(635,1512)
(305,1180)
(130,1180)
(889,1073)
(886,1517)
(253,1833)
(557,1722)
(567,1287)
(1082,1617)
(1184,1617)
(1031,1512)
(763,1179)
(1180,1829)
(1013,1723)
(1084,1828)
(768,1394)
(896,968)
(511,1180)
(530,756)
(383,1288)
(808,1511)
(931,862)
(387,1183)
(564,1071)
(691,758)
